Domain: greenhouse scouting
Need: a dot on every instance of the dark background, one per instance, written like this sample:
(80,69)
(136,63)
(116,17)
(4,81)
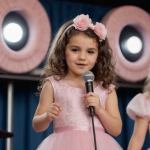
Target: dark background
(144,4)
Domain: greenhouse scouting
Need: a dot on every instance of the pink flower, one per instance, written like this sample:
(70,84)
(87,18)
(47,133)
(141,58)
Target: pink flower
(82,22)
(91,26)
(100,30)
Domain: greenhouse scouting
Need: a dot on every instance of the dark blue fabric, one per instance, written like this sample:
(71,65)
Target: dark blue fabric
(61,11)
(3,109)
(25,101)
(25,104)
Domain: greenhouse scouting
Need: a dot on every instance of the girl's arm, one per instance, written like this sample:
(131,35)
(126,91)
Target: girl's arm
(139,133)
(110,117)
(46,110)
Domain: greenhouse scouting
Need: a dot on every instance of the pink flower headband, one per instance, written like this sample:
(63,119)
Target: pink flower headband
(83,22)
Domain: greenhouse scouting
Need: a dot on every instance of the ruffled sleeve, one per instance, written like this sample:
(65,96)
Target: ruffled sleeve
(139,106)
(51,79)
(111,87)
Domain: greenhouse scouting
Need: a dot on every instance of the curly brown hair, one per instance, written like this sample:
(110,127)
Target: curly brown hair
(56,65)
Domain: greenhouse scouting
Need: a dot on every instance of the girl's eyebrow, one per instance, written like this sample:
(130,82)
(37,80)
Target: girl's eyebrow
(92,49)
(74,46)
(79,47)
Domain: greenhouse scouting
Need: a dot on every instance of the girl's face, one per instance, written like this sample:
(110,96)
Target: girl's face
(81,54)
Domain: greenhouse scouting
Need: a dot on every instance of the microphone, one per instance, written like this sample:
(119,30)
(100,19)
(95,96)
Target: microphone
(88,78)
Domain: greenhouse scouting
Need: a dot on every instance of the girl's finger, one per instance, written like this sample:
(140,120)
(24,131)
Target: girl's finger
(60,107)
(55,112)
(90,94)
(57,104)
(53,116)
(90,99)
(84,95)
(90,104)
(56,108)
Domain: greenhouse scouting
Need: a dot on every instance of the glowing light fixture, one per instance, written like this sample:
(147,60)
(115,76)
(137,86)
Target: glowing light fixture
(134,44)
(29,52)
(131,43)
(13,32)
(131,21)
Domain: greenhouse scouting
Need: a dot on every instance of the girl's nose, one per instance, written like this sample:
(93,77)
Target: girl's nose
(82,56)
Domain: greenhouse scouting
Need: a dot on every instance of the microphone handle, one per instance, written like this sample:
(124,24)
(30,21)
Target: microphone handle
(89,88)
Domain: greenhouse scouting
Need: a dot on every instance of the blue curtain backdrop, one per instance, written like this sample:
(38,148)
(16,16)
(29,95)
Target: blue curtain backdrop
(25,100)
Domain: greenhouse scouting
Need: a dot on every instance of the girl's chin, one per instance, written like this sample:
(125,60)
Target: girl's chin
(80,73)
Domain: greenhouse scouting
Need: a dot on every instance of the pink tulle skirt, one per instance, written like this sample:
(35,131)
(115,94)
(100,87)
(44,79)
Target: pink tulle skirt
(79,140)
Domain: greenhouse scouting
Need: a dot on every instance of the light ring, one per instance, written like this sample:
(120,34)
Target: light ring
(115,21)
(36,48)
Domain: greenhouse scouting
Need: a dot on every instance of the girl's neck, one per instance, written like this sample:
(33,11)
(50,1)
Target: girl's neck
(76,79)
(77,82)
(73,77)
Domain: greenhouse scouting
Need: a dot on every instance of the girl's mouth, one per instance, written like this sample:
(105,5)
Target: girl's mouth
(81,65)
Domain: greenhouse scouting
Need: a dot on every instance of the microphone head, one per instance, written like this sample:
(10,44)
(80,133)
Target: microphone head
(88,76)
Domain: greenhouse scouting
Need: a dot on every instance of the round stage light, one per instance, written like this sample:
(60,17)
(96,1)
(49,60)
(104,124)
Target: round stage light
(130,42)
(15,31)
(129,38)
(134,45)
(24,55)
(12,32)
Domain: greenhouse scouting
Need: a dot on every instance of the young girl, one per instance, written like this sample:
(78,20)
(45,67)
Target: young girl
(138,109)
(79,46)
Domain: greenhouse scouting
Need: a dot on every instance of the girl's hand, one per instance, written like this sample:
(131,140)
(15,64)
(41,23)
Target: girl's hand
(53,111)
(92,99)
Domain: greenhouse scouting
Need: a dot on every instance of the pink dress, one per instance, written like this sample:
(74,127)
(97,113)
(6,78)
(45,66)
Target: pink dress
(139,106)
(73,127)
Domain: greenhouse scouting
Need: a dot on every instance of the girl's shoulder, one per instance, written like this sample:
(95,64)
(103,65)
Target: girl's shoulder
(139,106)
(49,78)
(140,97)
(54,80)
(110,88)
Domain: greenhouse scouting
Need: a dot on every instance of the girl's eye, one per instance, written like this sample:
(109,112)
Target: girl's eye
(90,52)
(75,50)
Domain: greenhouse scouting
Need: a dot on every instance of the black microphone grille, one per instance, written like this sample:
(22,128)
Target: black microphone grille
(88,76)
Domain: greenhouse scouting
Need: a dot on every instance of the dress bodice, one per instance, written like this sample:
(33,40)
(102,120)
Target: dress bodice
(74,112)
(72,128)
